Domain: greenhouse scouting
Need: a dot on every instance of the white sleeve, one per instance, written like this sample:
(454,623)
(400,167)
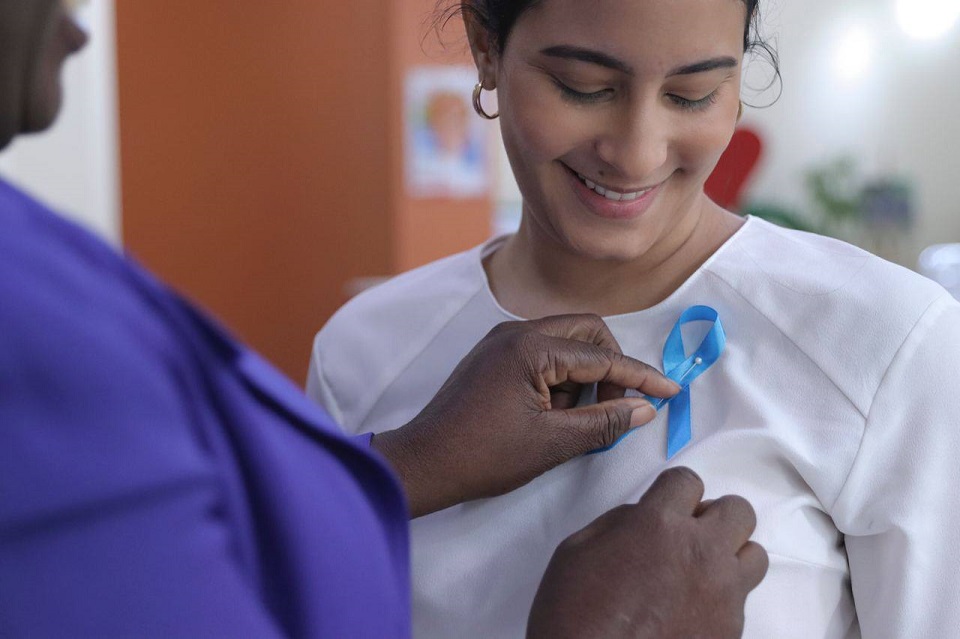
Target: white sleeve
(318,389)
(900,506)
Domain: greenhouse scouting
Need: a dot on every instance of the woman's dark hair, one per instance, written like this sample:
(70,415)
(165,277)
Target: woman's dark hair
(499,16)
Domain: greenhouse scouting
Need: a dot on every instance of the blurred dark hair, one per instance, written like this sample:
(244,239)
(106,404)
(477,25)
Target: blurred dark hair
(499,16)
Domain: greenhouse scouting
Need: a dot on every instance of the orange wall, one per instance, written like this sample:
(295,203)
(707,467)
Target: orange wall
(261,158)
(425,230)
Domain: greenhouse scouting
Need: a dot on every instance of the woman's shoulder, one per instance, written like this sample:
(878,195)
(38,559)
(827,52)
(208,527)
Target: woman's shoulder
(788,266)
(373,337)
(839,305)
(409,301)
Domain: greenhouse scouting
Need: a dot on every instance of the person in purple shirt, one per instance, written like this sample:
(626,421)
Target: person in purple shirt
(157,478)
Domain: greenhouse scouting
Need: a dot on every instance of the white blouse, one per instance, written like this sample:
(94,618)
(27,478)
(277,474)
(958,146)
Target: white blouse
(835,410)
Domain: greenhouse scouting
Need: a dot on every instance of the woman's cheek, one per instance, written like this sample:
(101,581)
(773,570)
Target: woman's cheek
(700,147)
(543,125)
(534,136)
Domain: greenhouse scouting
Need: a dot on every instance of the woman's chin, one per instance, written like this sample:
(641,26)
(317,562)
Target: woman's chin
(612,248)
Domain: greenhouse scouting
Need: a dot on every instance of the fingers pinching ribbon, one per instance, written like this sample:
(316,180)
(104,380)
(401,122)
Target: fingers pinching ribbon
(683,370)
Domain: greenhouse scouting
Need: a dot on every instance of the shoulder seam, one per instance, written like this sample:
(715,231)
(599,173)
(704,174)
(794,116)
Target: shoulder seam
(414,354)
(328,387)
(789,339)
(883,379)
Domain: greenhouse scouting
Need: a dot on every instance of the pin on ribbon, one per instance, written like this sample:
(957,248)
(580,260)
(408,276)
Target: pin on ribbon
(683,370)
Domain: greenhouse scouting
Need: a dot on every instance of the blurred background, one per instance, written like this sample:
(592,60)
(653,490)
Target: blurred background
(272,159)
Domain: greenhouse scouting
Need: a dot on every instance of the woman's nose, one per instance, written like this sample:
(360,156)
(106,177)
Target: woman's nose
(635,144)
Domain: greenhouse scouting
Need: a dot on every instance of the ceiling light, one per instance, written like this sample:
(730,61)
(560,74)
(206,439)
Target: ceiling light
(927,19)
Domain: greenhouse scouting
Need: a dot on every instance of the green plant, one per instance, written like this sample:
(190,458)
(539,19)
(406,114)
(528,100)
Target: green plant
(836,190)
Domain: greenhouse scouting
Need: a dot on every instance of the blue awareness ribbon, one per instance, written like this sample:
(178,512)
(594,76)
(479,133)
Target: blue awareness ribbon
(683,370)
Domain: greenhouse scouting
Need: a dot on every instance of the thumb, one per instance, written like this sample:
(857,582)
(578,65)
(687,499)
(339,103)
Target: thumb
(600,425)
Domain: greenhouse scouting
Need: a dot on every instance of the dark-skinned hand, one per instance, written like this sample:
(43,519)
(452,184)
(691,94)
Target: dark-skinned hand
(507,413)
(668,567)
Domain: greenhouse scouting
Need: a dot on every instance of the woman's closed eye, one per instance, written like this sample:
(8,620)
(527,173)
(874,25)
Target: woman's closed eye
(689,104)
(582,97)
(591,97)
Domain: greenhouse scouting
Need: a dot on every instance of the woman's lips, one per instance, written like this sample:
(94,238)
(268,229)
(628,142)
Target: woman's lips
(611,194)
(611,204)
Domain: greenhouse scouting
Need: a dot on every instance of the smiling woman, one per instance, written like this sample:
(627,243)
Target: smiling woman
(610,122)
(830,408)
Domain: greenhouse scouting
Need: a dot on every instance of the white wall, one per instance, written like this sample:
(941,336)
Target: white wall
(898,116)
(74,167)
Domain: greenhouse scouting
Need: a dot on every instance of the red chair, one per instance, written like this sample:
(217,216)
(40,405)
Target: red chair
(725,186)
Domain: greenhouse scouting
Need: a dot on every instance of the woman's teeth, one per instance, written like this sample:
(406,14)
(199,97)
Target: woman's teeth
(611,195)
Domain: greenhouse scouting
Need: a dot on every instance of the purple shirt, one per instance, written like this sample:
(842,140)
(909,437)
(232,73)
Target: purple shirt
(159,479)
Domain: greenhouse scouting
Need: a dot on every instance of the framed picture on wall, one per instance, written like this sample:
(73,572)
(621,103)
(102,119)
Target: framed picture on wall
(445,145)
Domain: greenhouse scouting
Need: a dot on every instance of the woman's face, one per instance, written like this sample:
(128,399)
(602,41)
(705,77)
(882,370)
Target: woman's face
(615,112)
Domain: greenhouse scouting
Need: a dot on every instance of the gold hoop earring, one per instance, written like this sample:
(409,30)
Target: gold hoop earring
(478,107)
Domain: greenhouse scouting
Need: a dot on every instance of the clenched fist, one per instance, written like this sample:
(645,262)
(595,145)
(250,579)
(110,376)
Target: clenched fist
(668,567)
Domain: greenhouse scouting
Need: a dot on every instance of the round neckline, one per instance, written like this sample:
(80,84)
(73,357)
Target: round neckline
(491,246)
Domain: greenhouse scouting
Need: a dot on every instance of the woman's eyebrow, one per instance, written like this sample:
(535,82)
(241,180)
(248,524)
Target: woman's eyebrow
(587,55)
(599,58)
(725,62)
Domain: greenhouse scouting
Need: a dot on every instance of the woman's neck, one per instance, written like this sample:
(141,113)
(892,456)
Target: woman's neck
(534,276)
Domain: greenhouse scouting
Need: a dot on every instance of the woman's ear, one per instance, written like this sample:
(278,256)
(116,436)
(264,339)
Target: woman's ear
(484,50)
